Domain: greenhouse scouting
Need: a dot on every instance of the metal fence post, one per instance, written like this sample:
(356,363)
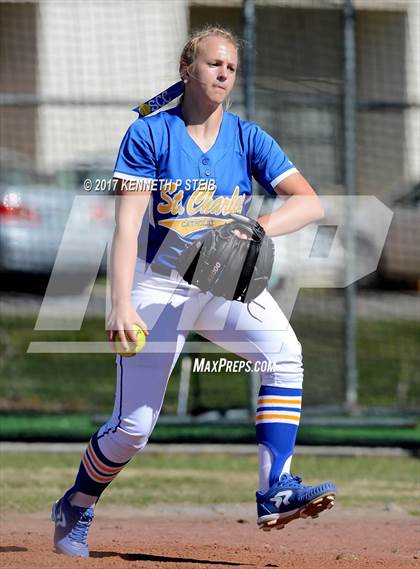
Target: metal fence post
(248,14)
(349,107)
(184,386)
(254,387)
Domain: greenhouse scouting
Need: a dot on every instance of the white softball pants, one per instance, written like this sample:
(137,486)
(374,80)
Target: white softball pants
(171,309)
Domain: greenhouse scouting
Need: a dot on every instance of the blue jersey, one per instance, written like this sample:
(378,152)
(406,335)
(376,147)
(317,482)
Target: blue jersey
(194,190)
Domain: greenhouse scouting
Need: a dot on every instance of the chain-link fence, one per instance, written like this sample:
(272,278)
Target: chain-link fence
(70,74)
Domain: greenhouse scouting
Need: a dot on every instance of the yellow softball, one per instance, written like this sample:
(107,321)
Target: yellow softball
(134,348)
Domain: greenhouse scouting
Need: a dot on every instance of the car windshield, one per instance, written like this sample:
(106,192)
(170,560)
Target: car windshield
(16,169)
(15,177)
(410,198)
(75,178)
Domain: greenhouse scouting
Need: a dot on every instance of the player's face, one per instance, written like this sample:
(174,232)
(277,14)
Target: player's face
(213,73)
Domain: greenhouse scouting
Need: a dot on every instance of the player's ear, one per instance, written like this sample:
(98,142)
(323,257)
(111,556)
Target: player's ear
(184,73)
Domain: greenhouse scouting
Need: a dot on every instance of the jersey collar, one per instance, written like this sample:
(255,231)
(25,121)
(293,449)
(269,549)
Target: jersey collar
(224,140)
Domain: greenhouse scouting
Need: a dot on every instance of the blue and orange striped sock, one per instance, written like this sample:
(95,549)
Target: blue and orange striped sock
(96,471)
(277,422)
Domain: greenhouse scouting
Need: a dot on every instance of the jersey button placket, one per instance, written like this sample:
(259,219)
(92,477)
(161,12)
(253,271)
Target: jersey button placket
(205,170)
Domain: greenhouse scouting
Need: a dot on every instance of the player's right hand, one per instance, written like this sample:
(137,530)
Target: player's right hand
(120,321)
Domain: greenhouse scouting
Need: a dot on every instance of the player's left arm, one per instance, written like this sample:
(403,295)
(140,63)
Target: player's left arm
(302,207)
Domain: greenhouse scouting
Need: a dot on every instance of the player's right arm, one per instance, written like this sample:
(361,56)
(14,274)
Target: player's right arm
(136,165)
(130,207)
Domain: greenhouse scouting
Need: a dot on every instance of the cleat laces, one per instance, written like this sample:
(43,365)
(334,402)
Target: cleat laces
(292,481)
(80,530)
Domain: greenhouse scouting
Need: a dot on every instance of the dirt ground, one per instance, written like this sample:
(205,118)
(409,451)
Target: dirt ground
(219,537)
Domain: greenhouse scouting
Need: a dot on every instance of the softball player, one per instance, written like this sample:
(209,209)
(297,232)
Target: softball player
(197,162)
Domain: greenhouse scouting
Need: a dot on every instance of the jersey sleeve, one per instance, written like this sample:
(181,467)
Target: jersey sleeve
(270,165)
(136,157)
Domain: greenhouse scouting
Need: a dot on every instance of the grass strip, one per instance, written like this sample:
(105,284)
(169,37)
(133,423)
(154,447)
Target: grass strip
(388,358)
(200,479)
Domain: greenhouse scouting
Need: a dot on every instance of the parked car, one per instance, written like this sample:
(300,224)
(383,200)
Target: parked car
(400,260)
(317,257)
(34,219)
(312,256)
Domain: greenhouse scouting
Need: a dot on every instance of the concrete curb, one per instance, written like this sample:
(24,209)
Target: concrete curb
(155,448)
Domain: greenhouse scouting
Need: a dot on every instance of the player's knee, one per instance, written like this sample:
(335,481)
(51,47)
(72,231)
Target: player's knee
(134,431)
(130,443)
(134,441)
(287,367)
